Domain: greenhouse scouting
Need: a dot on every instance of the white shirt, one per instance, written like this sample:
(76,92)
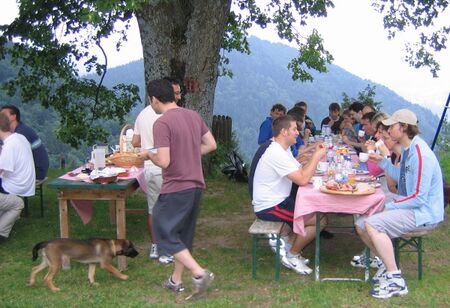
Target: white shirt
(144,128)
(17,165)
(271,184)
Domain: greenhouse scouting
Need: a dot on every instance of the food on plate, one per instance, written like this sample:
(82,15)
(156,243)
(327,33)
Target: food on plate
(366,178)
(342,150)
(82,176)
(333,185)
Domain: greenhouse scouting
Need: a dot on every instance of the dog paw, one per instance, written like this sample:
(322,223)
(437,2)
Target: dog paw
(56,289)
(94,284)
(124,277)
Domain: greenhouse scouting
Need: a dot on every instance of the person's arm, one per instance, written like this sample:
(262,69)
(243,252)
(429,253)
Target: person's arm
(136,141)
(208,143)
(161,158)
(302,176)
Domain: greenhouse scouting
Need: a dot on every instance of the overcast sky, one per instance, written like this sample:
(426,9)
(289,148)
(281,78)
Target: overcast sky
(353,32)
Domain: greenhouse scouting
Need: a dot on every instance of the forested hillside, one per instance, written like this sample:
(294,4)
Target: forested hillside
(260,80)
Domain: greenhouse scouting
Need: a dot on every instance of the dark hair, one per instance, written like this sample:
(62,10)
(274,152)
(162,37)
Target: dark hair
(161,89)
(297,113)
(368,116)
(4,123)
(172,80)
(280,123)
(301,104)
(278,107)
(356,107)
(383,127)
(334,107)
(12,110)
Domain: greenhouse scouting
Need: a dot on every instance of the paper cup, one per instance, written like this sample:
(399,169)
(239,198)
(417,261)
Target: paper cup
(361,133)
(363,157)
(317,182)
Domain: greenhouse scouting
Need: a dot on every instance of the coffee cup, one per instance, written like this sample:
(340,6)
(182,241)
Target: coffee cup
(361,133)
(363,157)
(379,143)
(317,182)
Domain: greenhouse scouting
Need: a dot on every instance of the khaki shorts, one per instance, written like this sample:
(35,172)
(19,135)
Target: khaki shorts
(394,223)
(153,178)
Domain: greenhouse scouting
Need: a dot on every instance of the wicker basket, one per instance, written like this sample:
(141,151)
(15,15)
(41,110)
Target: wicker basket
(125,159)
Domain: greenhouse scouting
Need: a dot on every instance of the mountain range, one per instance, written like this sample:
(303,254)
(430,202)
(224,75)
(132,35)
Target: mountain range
(262,79)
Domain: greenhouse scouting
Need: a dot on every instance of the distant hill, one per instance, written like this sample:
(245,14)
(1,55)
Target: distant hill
(261,79)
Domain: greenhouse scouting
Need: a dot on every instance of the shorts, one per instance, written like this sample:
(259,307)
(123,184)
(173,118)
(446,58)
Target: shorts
(283,212)
(154,180)
(174,219)
(394,223)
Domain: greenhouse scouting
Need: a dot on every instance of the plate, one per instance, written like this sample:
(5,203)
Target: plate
(361,172)
(366,179)
(366,191)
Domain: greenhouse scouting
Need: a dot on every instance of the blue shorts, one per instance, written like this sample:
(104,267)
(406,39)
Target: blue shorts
(283,212)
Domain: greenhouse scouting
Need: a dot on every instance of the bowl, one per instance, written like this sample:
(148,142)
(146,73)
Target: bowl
(104,179)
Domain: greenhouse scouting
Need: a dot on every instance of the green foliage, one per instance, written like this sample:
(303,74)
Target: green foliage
(421,16)
(366,97)
(443,140)
(285,16)
(49,43)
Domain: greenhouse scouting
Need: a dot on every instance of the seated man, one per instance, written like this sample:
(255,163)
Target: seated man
(418,205)
(17,175)
(265,130)
(333,119)
(40,156)
(272,181)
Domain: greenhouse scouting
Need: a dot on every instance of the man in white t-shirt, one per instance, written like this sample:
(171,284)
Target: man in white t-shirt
(17,175)
(143,138)
(275,172)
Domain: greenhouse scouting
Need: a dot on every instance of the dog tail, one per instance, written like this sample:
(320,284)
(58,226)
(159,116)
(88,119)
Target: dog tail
(36,248)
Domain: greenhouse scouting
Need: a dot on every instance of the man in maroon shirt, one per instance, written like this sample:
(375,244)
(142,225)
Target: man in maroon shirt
(181,137)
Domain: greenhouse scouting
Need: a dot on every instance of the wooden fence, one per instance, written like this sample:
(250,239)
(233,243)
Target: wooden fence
(221,129)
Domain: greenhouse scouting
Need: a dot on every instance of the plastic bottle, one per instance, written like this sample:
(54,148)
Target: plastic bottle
(128,140)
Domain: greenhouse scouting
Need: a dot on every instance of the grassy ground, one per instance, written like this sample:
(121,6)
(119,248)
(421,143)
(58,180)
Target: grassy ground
(223,245)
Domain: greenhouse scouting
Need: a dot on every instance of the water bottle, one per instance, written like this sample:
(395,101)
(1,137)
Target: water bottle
(330,156)
(128,140)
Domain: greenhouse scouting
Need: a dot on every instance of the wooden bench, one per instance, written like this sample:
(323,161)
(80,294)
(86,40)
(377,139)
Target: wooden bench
(39,190)
(413,241)
(264,230)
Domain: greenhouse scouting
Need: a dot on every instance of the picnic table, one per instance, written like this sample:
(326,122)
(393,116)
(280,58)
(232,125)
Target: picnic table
(116,193)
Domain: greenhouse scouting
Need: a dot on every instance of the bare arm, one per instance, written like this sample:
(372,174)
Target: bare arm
(161,158)
(302,176)
(136,141)
(208,143)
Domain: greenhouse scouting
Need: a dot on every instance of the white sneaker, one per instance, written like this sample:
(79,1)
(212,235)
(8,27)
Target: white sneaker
(360,261)
(393,285)
(165,259)
(380,275)
(153,252)
(298,265)
(273,243)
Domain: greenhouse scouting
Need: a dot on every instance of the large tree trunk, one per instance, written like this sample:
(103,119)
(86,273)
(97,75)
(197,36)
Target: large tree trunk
(182,39)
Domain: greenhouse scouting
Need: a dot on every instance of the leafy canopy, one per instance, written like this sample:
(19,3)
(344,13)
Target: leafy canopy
(52,41)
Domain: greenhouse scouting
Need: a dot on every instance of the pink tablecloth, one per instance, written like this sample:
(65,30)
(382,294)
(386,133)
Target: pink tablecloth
(84,207)
(310,201)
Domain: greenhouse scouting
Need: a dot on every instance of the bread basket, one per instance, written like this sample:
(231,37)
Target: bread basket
(125,159)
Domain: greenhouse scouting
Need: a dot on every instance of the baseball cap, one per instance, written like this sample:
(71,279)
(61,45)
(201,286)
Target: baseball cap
(401,116)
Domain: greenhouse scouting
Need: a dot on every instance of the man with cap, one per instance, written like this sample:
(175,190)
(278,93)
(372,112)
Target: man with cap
(417,207)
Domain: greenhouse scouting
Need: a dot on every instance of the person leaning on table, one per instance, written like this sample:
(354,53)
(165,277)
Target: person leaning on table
(418,205)
(273,178)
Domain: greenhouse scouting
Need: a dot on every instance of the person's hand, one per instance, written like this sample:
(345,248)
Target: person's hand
(384,150)
(375,157)
(304,158)
(370,145)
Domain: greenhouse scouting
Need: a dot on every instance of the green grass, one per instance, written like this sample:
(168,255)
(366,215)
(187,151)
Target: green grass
(223,245)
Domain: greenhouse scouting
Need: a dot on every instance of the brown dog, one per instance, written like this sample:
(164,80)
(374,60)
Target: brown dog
(90,251)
